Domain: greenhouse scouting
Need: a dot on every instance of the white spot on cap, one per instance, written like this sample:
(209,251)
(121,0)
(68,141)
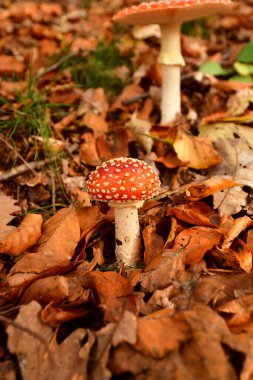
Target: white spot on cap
(133,197)
(106,183)
(126,174)
(108,197)
(113,189)
(124,196)
(116,196)
(133,189)
(117,170)
(122,188)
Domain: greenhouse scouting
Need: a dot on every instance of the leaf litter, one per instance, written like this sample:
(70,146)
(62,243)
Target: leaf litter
(75,91)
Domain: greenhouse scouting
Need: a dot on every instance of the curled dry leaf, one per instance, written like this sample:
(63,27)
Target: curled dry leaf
(54,315)
(23,237)
(239,225)
(195,242)
(196,151)
(195,213)
(159,333)
(55,248)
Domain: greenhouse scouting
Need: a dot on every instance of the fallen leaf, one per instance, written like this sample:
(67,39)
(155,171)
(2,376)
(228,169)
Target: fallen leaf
(55,248)
(195,242)
(88,150)
(52,289)
(96,123)
(159,333)
(7,207)
(239,225)
(115,293)
(203,188)
(10,65)
(153,244)
(239,310)
(25,236)
(196,213)
(196,151)
(45,359)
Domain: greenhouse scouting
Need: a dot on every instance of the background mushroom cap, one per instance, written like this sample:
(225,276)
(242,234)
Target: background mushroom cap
(123,180)
(170,11)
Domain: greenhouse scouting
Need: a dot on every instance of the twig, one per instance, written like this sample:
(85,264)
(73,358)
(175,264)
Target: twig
(19,155)
(135,99)
(21,169)
(53,67)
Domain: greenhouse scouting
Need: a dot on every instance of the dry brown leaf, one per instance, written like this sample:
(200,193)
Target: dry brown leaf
(153,244)
(60,235)
(44,358)
(195,242)
(96,123)
(159,333)
(55,315)
(239,310)
(204,355)
(239,225)
(130,92)
(114,145)
(24,237)
(45,290)
(196,213)
(88,150)
(161,271)
(115,293)
(201,189)
(7,207)
(126,329)
(196,151)
(242,254)
(10,65)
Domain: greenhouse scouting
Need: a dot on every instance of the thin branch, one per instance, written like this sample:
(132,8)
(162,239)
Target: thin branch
(21,169)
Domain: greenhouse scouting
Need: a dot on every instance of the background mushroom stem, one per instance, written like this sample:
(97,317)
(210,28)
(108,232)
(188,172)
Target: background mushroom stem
(127,234)
(171,60)
(171,97)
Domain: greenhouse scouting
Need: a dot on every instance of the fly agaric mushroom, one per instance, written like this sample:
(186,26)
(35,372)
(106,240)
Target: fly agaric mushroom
(125,183)
(170,14)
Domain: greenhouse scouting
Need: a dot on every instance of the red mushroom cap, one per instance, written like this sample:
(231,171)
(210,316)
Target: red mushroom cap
(169,11)
(123,180)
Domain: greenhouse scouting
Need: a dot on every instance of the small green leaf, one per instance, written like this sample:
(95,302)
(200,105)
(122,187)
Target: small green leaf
(239,78)
(214,68)
(243,69)
(246,54)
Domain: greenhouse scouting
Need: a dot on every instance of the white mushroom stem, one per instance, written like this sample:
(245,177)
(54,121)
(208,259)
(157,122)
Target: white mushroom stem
(127,233)
(171,93)
(171,59)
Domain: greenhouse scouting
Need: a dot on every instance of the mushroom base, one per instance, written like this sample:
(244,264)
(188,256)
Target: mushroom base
(127,235)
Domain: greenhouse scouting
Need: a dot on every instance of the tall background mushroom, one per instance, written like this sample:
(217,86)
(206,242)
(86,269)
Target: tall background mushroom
(170,14)
(125,183)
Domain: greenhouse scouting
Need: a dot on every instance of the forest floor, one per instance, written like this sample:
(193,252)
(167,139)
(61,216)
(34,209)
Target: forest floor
(76,90)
